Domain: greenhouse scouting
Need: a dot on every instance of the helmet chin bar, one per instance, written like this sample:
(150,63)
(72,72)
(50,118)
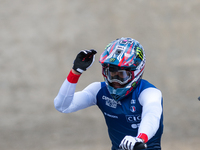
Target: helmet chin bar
(115,97)
(112,84)
(118,93)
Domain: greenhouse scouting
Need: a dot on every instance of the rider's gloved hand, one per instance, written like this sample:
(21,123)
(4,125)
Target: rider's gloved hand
(84,60)
(129,142)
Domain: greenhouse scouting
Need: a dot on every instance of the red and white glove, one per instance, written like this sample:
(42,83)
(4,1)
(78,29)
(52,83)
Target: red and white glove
(129,142)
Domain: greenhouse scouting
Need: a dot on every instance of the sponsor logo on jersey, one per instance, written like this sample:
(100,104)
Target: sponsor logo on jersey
(111,116)
(133,118)
(133,101)
(135,126)
(133,109)
(110,102)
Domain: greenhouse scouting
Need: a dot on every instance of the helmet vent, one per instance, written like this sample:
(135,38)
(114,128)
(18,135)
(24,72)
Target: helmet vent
(118,51)
(123,42)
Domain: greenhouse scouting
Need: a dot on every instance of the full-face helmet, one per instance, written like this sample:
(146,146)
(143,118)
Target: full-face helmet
(123,63)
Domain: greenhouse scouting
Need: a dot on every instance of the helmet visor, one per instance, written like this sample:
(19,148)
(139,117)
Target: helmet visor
(120,76)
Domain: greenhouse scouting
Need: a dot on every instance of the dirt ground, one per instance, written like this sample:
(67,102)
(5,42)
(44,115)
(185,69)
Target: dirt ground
(39,40)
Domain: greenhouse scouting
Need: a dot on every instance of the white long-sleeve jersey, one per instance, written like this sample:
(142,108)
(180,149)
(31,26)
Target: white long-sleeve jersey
(138,114)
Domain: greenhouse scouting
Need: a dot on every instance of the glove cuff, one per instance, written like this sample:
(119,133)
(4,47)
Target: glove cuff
(143,136)
(79,70)
(73,78)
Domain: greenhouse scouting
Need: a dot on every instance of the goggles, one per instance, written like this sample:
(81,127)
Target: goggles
(120,76)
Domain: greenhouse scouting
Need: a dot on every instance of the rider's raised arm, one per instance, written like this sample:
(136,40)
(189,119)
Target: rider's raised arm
(68,100)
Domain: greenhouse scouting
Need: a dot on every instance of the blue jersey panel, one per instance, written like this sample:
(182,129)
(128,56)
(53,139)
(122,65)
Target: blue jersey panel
(124,117)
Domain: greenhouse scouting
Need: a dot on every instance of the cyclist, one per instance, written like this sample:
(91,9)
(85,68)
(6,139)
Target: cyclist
(132,106)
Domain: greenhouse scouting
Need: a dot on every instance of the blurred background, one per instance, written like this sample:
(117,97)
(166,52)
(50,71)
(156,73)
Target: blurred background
(39,40)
